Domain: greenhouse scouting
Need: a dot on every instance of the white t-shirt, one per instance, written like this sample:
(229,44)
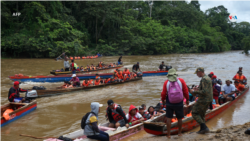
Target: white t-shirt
(228,89)
(136,117)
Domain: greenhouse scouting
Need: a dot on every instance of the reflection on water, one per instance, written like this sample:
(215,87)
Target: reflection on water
(62,114)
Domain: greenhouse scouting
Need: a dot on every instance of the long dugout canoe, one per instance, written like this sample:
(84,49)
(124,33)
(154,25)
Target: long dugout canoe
(70,72)
(16,114)
(61,78)
(158,126)
(45,93)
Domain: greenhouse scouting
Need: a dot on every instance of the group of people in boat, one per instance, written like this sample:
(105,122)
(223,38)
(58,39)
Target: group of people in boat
(118,76)
(74,67)
(117,117)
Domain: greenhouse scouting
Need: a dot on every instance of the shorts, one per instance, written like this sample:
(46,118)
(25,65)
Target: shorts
(134,71)
(122,122)
(178,112)
(216,97)
(233,97)
(118,63)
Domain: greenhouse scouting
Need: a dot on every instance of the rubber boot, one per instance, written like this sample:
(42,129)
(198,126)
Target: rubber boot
(204,129)
(247,131)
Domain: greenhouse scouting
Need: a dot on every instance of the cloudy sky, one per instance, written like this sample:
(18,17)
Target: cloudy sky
(240,8)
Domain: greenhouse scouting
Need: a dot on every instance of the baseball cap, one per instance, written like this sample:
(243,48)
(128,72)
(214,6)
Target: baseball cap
(214,76)
(110,102)
(199,69)
(212,73)
(16,83)
(74,75)
(141,108)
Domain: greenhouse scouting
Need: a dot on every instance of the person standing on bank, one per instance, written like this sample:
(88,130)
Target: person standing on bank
(205,97)
(91,129)
(174,89)
(66,64)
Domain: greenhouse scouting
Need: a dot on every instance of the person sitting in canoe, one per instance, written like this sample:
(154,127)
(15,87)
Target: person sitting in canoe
(100,64)
(85,83)
(97,76)
(69,85)
(14,95)
(91,82)
(97,82)
(119,75)
(107,80)
(240,87)
(64,85)
(116,71)
(75,80)
(144,114)
(161,67)
(114,65)
(116,115)
(228,91)
(152,112)
(126,77)
(133,116)
(126,71)
(240,77)
(81,68)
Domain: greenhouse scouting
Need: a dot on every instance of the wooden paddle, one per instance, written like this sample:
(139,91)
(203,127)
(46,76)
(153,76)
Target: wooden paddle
(60,55)
(39,137)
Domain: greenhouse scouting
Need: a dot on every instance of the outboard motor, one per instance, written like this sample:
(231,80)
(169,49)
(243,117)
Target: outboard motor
(168,68)
(139,74)
(30,95)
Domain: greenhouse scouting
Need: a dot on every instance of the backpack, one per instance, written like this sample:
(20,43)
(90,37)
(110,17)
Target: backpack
(83,123)
(39,88)
(216,90)
(174,90)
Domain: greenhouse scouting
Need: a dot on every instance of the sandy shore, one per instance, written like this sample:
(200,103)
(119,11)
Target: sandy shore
(232,133)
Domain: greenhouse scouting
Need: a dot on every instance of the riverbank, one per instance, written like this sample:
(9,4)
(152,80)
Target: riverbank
(231,133)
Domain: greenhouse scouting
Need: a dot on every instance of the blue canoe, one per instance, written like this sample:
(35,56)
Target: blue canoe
(62,78)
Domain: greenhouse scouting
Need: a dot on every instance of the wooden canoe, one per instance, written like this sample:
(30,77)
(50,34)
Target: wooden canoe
(58,91)
(157,126)
(70,72)
(18,113)
(114,134)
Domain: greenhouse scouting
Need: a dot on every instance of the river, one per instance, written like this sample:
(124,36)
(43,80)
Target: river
(62,114)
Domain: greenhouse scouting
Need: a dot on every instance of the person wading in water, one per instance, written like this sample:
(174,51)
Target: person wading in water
(205,94)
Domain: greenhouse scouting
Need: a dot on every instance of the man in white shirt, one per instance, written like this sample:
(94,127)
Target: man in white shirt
(228,91)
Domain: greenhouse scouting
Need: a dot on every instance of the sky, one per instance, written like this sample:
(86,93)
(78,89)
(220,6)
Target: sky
(240,8)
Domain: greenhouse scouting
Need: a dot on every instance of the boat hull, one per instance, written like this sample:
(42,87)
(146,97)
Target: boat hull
(45,93)
(78,72)
(19,113)
(188,123)
(61,78)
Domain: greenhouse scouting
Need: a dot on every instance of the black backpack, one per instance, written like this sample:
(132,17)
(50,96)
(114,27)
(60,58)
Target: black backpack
(83,123)
(39,88)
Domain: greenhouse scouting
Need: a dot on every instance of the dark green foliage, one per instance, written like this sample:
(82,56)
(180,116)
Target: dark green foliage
(48,28)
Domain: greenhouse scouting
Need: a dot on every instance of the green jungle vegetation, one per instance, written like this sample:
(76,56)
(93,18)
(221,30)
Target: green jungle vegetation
(48,28)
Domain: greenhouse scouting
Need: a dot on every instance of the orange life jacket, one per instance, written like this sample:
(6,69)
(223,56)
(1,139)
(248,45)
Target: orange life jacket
(107,80)
(91,57)
(6,114)
(120,76)
(71,58)
(78,57)
(70,86)
(100,65)
(84,84)
(239,77)
(126,77)
(90,81)
(126,72)
(75,57)
(65,86)
(97,77)
(116,116)
(97,82)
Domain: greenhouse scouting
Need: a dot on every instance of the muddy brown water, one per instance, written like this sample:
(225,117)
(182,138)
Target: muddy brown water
(62,114)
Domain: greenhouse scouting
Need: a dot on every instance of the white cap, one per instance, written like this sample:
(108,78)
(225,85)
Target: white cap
(74,75)
(100,105)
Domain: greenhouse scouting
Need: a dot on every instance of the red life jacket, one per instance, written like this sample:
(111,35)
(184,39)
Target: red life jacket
(97,82)
(116,116)
(134,118)
(162,105)
(126,77)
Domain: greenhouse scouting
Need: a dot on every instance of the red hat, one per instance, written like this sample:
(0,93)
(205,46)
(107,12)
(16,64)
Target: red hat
(16,83)
(212,73)
(214,76)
